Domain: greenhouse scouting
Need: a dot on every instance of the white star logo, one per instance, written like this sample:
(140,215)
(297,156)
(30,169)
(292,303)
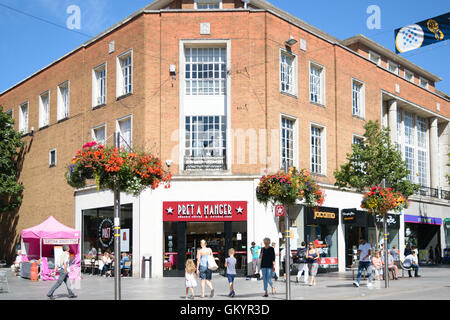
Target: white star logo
(169,210)
(239,210)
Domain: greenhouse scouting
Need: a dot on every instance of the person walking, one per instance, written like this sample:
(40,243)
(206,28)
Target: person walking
(254,251)
(189,277)
(267,258)
(437,254)
(364,251)
(303,265)
(15,267)
(312,257)
(205,274)
(431,255)
(230,264)
(274,274)
(62,266)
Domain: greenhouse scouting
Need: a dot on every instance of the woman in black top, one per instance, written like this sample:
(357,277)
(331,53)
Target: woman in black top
(267,258)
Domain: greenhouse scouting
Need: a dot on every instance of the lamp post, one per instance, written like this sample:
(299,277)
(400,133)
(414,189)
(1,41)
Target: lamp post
(288,256)
(287,259)
(117,295)
(385,234)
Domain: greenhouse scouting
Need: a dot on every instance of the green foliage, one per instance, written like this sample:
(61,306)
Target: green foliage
(10,144)
(372,160)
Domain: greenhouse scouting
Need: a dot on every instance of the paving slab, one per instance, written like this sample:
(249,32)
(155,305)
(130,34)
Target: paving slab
(434,284)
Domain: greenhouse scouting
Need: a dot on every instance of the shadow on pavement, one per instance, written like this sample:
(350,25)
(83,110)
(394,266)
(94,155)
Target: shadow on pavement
(349,285)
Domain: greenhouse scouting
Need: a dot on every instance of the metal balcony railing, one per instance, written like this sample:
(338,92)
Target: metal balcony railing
(205,163)
(433,193)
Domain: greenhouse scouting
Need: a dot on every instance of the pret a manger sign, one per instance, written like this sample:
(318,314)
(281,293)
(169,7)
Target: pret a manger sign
(205,211)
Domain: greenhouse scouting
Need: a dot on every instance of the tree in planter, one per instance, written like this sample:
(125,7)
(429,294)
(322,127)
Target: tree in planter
(372,160)
(10,144)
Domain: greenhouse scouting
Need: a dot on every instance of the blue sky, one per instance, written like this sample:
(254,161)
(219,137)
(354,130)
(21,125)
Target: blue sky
(28,44)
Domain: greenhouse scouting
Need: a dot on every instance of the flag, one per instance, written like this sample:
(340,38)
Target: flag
(422,33)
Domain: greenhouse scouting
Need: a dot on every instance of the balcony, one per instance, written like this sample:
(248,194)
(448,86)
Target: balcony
(205,163)
(433,193)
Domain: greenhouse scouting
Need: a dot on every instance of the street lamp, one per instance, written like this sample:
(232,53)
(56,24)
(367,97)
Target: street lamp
(117,295)
(287,259)
(385,234)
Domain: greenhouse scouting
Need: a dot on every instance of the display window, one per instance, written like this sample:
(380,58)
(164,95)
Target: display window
(98,231)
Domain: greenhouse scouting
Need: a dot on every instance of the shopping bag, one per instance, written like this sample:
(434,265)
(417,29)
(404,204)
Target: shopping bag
(212,265)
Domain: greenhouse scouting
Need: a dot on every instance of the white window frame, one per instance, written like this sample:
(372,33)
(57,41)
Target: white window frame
(122,143)
(371,54)
(23,125)
(357,136)
(362,113)
(410,72)
(95,88)
(93,135)
(392,63)
(210,85)
(295,138)
(120,85)
(322,93)
(44,115)
(294,85)
(50,158)
(63,110)
(207,2)
(323,149)
(426,84)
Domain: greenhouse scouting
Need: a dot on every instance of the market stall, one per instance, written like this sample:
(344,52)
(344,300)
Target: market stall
(45,241)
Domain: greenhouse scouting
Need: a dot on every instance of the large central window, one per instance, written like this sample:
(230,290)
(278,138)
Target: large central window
(413,143)
(205,71)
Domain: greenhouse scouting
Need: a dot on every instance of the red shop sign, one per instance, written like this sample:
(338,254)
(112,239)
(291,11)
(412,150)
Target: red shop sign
(205,211)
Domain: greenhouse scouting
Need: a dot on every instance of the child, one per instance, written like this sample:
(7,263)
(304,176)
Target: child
(190,277)
(230,263)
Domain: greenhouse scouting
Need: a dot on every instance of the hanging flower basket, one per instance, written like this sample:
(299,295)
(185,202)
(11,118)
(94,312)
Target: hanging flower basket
(131,171)
(286,188)
(381,200)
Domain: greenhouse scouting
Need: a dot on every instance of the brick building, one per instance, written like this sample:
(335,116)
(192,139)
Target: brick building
(222,91)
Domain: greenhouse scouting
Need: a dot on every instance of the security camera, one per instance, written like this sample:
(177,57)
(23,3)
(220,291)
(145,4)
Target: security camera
(168,163)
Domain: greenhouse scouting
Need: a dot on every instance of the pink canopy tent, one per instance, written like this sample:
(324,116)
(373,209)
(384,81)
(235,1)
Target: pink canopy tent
(51,230)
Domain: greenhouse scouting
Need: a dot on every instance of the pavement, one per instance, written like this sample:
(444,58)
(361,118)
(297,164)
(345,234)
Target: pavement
(434,284)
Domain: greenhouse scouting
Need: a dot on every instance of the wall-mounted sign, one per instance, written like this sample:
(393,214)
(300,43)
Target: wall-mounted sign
(362,218)
(105,232)
(280,210)
(60,242)
(422,219)
(205,211)
(393,221)
(124,240)
(321,215)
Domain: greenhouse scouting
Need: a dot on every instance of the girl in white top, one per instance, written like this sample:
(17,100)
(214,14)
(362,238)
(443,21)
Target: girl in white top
(189,275)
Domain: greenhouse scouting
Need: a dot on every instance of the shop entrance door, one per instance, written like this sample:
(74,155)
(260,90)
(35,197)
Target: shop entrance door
(353,235)
(182,241)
